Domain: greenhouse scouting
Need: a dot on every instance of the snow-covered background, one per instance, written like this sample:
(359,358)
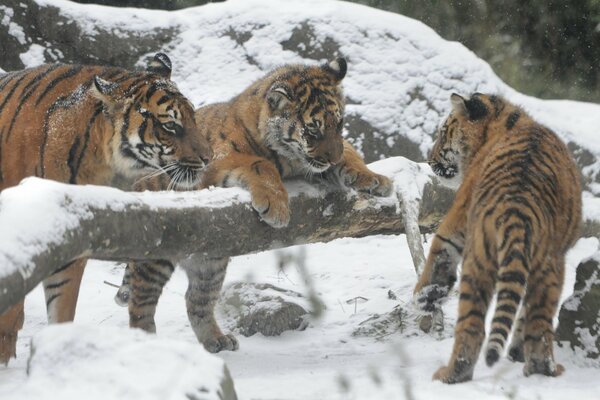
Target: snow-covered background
(398,84)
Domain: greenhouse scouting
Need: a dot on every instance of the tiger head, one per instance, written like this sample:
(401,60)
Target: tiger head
(303,114)
(461,135)
(155,126)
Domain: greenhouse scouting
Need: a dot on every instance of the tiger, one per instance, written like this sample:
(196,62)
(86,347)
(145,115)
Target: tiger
(287,124)
(515,215)
(85,124)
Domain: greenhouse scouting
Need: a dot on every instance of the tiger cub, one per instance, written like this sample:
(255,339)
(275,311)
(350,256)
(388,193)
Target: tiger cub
(287,124)
(515,215)
(89,125)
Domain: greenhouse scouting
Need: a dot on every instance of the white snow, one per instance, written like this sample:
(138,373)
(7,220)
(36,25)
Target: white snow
(14,29)
(34,56)
(392,59)
(155,367)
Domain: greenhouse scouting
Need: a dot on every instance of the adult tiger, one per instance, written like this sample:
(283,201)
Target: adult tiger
(91,125)
(287,124)
(515,215)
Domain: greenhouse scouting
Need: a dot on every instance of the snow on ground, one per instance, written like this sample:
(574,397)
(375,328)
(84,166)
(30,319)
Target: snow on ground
(324,361)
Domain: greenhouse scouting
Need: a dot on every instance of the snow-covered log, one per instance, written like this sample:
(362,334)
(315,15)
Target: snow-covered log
(45,224)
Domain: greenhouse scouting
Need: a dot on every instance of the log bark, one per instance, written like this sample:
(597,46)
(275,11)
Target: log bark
(176,225)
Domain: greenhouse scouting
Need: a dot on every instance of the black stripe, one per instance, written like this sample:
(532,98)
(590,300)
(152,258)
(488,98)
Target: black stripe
(49,112)
(163,99)
(71,160)
(503,320)
(458,248)
(11,92)
(507,308)
(509,294)
(473,313)
(512,119)
(235,147)
(86,140)
(64,76)
(51,299)
(255,167)
(518,255)
(56,285)
(64,267)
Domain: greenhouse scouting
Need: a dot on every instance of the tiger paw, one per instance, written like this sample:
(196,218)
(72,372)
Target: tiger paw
(452,375)
(272,208)
(367,181)
(8,346)
(221,343)
(122,296)
(515,352)
(430,297)
(543,367)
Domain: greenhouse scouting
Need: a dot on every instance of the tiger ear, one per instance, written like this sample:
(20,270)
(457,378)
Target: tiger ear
(338,68)
(161,65)
(279,96)
(458,104)
(473,108)
(105,91)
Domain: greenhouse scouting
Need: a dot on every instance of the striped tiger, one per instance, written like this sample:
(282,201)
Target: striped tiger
(92,125)
(516,213)
(287,124)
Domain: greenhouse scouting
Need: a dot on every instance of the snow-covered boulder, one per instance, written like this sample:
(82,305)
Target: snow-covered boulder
(75,362)
(263,308)
(400,75)
(579,317)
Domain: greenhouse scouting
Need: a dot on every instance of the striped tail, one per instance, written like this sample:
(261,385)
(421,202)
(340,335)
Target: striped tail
(510,289)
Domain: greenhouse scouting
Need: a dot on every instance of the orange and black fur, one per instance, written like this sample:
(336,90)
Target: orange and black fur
(287,124)
(91,125)
(514,217)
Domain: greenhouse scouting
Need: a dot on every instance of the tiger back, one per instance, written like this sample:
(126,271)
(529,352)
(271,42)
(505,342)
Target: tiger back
(89,125)
(515,215)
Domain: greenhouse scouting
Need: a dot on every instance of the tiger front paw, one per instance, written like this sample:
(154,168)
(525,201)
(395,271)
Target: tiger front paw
(221,343)
(453,375)
(429,298)
(272,208)
(367,181)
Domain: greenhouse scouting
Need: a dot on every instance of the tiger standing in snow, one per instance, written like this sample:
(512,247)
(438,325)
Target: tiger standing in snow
(83,124)
(515,215)
(287,124)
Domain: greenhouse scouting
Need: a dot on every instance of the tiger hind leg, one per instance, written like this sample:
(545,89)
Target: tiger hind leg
(10,324)
(205,280)
(475,293)
(543,294)
(62,289)
(147,280)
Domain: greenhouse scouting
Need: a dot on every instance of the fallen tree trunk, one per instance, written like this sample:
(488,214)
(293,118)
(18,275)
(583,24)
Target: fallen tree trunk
(45,224)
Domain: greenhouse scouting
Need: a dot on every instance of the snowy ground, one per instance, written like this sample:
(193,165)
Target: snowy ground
(325,361)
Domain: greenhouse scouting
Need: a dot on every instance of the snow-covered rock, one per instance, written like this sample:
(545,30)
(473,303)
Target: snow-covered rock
(263,308)
(579,317)
(75,362)
(400,75)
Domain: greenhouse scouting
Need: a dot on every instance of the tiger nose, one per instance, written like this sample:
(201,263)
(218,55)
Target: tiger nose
(193,162)
(334,157)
